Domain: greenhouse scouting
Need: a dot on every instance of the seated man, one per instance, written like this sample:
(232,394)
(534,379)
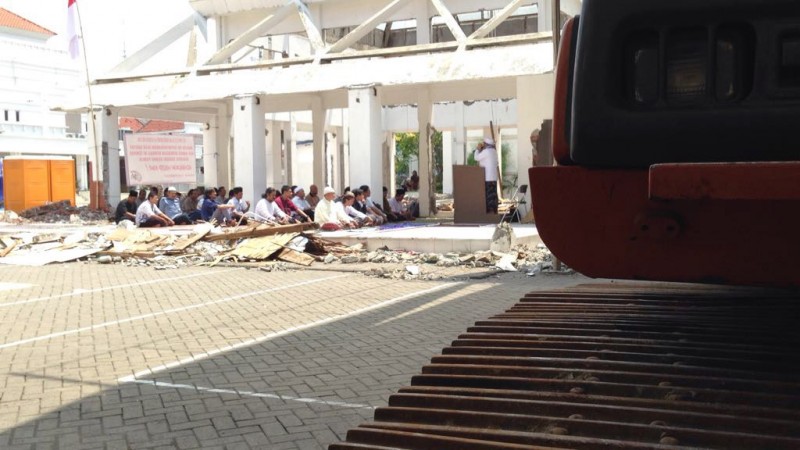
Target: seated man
(211,210)
(360,205)
(268,211)
(286,204)
(329,215)
(189,204)
(372,207)
(170,205)
(148,215)
(312,198)
(126,209)
(301,203)
(387,208)
(361,219)
(398,207)
(240,207)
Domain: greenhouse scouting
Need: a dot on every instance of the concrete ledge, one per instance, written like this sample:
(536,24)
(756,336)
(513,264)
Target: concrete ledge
(432,239)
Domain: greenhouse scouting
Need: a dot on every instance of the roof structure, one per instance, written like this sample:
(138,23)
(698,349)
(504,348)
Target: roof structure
(9,20)
(149,126)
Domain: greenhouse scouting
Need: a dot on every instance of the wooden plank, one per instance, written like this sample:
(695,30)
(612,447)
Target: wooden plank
(184,242)
(10,244)
(293,256)
(263,247)
(258,231)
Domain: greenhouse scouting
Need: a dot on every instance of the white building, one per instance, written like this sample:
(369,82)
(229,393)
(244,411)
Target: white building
(35,74)
(263,74)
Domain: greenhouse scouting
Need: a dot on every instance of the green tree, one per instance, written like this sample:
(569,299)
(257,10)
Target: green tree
(407,147)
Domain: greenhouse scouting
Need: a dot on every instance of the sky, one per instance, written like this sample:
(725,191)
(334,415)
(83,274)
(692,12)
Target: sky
(111,28)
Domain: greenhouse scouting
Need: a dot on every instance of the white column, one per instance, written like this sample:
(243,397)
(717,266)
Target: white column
(459,136)
(318,125)
(423,22)
(387,148)
(224,147)
(273,155)
(249,146)
(210,153)
(427,194)
(366,136)
(447,162)
(335,157)
(104,152)
(81,172)
(290,146)
(392,181)
(535,95)
(545,16)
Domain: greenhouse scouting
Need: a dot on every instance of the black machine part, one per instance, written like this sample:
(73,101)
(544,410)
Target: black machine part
(685,81)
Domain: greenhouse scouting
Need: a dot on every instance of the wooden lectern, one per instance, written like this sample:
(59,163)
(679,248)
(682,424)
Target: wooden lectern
(469,196)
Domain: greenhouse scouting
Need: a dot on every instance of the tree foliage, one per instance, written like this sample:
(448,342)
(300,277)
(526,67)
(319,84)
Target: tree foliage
(407,148)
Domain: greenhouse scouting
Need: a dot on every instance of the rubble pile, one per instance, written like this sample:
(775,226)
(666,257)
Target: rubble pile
(424,266)
(58,212)
(157,248)
(267,247)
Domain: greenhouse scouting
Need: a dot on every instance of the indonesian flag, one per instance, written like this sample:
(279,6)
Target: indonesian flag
(72,29)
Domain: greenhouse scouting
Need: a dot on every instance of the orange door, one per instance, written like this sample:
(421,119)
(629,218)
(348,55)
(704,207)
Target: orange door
(62,181)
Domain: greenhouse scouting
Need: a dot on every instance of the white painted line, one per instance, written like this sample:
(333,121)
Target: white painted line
(119,286)
(13,286)
(286,398)
(161,313)
(266,337)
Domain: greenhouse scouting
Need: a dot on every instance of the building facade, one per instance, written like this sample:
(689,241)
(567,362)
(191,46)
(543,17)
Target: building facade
(35,73)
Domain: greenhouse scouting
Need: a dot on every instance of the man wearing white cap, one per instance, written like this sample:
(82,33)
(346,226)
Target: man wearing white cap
(301,203)
(170,205)
(486,156)
(329,215)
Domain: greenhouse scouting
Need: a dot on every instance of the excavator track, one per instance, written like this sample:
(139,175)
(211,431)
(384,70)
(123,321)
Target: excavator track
(608,366)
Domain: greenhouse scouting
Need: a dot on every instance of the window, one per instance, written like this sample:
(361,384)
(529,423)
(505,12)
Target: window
(5,114)
(17,114)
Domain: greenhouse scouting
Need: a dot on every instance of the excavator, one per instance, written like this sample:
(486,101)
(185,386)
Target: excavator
(677,167)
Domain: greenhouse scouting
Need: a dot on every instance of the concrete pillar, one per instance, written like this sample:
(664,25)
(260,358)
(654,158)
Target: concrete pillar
(427,191)
(249,146)
(210,153)
(447,162)
(342,161)
(535,94)
(274,160)
(318,125)
(224,147)
(104,148)
(391,182)
(459,136)
(366,136)
(81,172)
(336,178)
(290,146)
(388,149)
(545,17)
(422,15)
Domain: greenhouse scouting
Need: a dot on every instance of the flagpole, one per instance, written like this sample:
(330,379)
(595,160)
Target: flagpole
(91,109)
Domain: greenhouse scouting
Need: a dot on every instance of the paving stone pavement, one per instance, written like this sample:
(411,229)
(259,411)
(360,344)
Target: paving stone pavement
(113,357)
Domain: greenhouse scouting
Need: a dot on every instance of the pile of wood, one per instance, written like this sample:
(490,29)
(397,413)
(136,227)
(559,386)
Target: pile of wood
(252,242)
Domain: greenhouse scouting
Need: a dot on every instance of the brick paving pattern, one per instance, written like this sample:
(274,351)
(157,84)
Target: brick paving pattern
(237,358)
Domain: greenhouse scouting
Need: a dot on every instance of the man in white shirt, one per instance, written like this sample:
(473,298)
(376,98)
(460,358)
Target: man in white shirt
(329,215)
(301,203)
(397,206)
(372,208)
(486,156)
(240,207)
(348,203)
(148,215)
(268,211)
